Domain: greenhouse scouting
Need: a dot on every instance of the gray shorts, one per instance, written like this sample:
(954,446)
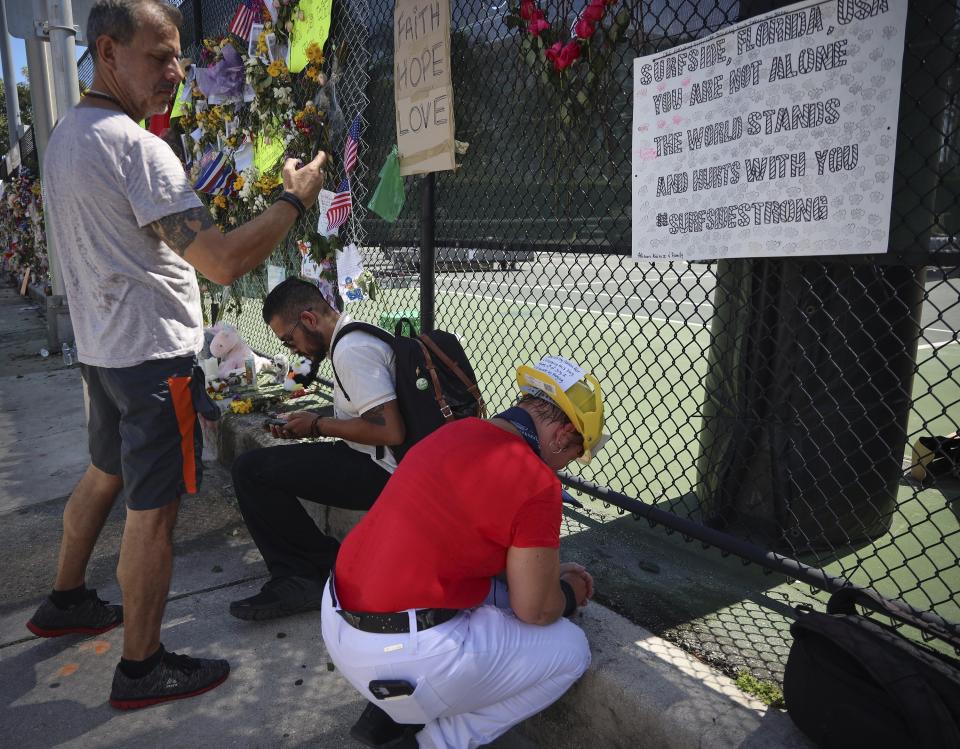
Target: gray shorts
(143,426)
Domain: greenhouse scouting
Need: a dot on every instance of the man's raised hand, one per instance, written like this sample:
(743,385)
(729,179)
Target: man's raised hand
(305,181)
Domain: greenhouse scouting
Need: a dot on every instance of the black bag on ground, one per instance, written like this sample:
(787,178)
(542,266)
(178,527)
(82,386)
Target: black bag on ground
(435,382)
(851,682)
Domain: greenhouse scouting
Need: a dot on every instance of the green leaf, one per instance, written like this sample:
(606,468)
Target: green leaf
(513,22)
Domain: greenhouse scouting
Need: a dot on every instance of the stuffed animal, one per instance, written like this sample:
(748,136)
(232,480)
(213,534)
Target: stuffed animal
(298,368)
(233,351)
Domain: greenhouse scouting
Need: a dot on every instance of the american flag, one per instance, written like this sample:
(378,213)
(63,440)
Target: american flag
(247,13)
(340,207)
(350,150)
(214,173)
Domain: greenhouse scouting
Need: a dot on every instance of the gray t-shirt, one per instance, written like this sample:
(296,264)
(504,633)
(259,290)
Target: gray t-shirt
(132,298)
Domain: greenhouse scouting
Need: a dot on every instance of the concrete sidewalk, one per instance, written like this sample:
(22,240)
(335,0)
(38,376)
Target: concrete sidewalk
(640,691)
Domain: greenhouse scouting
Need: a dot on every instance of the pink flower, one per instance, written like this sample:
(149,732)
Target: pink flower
(537,25)
(526,10)
(584,29)
(568,55)
(553,54)
(594,11)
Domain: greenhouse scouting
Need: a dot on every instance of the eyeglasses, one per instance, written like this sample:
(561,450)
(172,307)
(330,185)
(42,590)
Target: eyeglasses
(287,340)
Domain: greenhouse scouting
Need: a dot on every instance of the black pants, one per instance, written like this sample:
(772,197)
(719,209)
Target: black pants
(269,481)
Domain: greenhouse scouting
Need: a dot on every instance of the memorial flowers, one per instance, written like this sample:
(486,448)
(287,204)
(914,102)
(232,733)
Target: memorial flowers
(560,52)
(21,226)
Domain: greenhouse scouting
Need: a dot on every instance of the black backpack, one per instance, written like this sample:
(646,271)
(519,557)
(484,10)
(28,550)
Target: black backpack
(851,682)
(435,382)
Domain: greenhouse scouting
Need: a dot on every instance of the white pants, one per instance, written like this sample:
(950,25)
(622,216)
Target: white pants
(474,676)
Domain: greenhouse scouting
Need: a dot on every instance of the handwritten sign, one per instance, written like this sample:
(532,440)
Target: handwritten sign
(315,27)
(268,150)
(772,137)
(423,88)
(180,103)
(562,371)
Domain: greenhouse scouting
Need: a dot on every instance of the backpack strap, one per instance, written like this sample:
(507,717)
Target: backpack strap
(455,368)
(350,328)
(445,409)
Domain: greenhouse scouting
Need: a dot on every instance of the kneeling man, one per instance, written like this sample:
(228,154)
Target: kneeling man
(413,615)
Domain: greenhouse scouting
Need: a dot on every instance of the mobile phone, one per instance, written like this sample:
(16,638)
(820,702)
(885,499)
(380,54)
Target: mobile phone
(384,689)
(273,421)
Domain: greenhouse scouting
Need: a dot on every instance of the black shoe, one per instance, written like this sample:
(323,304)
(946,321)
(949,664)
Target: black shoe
(91,616)
(176,677)
(376,728)
(281,596)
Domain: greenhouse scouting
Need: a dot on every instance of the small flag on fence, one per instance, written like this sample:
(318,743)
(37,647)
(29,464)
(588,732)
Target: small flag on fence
(214,174)
(340,207)
(243,19)
(350,150)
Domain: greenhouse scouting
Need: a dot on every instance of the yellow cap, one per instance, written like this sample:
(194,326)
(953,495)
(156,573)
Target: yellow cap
(581,400)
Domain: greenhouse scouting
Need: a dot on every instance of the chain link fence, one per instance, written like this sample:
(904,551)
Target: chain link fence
(775,409)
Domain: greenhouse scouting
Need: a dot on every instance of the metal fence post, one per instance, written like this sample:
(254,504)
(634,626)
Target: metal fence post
(63,52)
(197,23)
(427,251)
(9,81)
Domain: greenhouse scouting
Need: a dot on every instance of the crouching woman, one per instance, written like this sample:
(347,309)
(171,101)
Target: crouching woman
(414,616)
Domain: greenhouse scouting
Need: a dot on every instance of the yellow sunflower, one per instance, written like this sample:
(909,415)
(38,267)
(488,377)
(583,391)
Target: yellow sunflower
(276,69)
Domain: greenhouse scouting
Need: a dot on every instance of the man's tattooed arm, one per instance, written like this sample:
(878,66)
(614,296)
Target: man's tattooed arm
(375,416)
(179,230)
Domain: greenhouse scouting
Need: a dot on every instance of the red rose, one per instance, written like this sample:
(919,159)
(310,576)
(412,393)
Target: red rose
(584,29)
(526,10)
(594,11)
(536,26)
(553,54)
(568,55)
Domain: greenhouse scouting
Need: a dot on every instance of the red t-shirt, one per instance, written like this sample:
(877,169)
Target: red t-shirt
(442,525)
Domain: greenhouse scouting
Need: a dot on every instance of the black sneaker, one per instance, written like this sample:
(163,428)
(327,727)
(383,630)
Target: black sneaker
(281,596)
(176,677)
(376,728)
(91,616)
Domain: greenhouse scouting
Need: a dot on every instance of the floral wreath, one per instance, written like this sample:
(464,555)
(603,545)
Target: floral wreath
(561,55)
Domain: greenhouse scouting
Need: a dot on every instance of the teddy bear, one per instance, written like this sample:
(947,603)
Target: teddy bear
(233,351)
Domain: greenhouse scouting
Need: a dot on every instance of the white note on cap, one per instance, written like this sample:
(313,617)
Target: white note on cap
(563,371)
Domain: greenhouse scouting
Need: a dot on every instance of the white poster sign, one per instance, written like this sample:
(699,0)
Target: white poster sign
(773,137)
(275,276)
(324,199)
(349,268)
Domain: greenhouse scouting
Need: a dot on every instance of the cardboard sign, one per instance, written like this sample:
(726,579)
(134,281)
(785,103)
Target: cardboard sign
(773,137)
(423,87)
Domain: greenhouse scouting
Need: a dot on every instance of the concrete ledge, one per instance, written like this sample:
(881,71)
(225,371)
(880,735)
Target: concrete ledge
(640,690)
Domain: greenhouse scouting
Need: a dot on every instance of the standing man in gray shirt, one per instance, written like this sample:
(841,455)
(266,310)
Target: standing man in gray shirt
(131,232)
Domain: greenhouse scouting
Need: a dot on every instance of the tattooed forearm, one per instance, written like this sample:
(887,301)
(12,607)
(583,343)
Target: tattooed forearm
(179,230)
(375,416)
